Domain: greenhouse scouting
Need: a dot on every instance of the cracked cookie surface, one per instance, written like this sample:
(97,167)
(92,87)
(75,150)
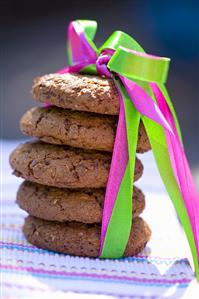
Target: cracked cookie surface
(78,92)
(57,204)
(80,239)
(62,166)
(78,129)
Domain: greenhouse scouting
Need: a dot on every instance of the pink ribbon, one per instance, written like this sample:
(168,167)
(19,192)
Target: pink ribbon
(117,170)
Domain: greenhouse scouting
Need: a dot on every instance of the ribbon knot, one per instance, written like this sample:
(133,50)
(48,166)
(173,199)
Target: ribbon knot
(101,65)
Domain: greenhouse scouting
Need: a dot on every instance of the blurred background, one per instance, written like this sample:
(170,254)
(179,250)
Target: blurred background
(33,35)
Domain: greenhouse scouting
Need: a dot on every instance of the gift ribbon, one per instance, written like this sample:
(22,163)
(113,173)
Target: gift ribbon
(139,78)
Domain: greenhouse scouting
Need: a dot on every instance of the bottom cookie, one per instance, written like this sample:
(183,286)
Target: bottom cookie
(80,239)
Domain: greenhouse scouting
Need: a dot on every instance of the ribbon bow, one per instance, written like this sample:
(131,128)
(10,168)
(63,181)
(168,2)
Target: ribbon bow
(139,78)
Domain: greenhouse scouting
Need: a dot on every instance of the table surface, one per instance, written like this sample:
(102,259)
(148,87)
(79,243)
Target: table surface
(162,270)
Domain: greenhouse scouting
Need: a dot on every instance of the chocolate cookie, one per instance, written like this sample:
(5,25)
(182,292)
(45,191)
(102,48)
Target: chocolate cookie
(56,204)
(78,92)
(77,129)
(62,166)
(80,239)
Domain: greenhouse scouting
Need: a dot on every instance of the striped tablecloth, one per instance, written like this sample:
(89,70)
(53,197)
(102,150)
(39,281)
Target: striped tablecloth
(162,270)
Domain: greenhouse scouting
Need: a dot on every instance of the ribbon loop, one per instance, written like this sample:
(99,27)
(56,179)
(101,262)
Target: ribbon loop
(140,66)
(119,38)
(79,50)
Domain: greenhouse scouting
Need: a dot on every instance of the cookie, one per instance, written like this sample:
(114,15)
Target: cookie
(56,204)
(77,129)
(62,166)
(78,92)
(80,239)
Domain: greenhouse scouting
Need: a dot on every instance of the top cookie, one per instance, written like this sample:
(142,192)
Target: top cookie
(78,92)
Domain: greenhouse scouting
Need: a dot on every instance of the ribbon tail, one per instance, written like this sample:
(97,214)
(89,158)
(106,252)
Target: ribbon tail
(186,185)
(144,103)
(170,105)
(118,221)
(159,146)
(116,173)
(169,156)
(181,168)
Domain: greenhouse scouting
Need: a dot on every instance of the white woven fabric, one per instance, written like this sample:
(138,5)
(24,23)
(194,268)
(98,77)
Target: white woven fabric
(162,270)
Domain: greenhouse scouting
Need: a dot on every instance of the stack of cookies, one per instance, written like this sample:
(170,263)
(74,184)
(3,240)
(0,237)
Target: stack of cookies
(66,169)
